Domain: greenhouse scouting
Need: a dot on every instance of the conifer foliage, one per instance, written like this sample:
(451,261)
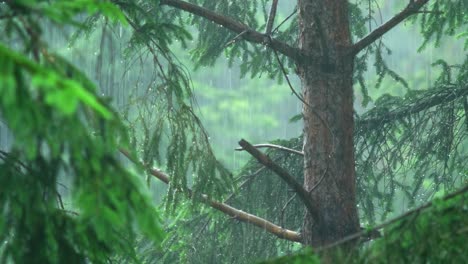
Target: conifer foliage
(70,183)
(63,133)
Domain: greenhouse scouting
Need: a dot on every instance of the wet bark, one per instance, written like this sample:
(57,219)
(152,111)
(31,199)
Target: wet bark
(326,76)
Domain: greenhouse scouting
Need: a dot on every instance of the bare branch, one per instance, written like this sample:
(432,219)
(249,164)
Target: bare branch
(286,206)
(249,178)
(235,26)
(286,19)
(275,147)
(412,8)
(255,220)
(430,12)
(237,37)
(229,210)
(271,18)
(301,192)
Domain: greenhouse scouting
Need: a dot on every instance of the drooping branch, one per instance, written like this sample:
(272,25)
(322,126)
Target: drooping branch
(247,33)
(229,210)
(412,8)
(439,97)
(301,192)
(275,147)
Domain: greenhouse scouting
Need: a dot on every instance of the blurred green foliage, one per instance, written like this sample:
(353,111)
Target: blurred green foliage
(63,132)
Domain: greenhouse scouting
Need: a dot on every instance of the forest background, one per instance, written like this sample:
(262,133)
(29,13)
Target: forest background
(230,108)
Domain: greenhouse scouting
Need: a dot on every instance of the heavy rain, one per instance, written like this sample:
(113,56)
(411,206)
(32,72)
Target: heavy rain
(252,131)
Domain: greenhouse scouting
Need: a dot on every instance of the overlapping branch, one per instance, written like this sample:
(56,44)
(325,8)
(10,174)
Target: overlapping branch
(231,211)
(412,8)
(271,18)
(285,176)
(248,33)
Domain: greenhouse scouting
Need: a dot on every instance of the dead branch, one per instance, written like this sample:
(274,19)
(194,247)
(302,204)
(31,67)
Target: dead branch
(275,147)
(412,8)
(251,35)
(236,38)
(265,160)
(229,210)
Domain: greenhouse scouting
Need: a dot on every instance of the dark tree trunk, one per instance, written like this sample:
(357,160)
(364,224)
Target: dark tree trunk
(326,77)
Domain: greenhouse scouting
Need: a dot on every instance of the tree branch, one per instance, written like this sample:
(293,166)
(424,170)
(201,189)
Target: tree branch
(235,26)
(284,21)
(437,97)
(229,210)
(249,178)
(275,147)
(301,192)
(412,8)
(271,18)
(375,229)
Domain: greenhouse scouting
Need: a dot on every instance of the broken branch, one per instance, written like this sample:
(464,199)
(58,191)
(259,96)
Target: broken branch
(265,160)
(275,147)
(229,210)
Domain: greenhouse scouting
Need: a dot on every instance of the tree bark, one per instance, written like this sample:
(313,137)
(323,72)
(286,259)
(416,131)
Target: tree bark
(326,78)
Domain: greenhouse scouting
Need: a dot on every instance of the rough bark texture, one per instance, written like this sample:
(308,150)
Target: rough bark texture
(328,139)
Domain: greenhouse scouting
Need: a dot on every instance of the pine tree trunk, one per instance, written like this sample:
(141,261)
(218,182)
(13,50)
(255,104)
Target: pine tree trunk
(326,77)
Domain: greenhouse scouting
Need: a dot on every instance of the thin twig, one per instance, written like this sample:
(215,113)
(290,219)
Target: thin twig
(309,106)
(320,180)
(284,21)
(237,37)
(429,12)
(315,113)
(275,147)
(285,74)
(284,208)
